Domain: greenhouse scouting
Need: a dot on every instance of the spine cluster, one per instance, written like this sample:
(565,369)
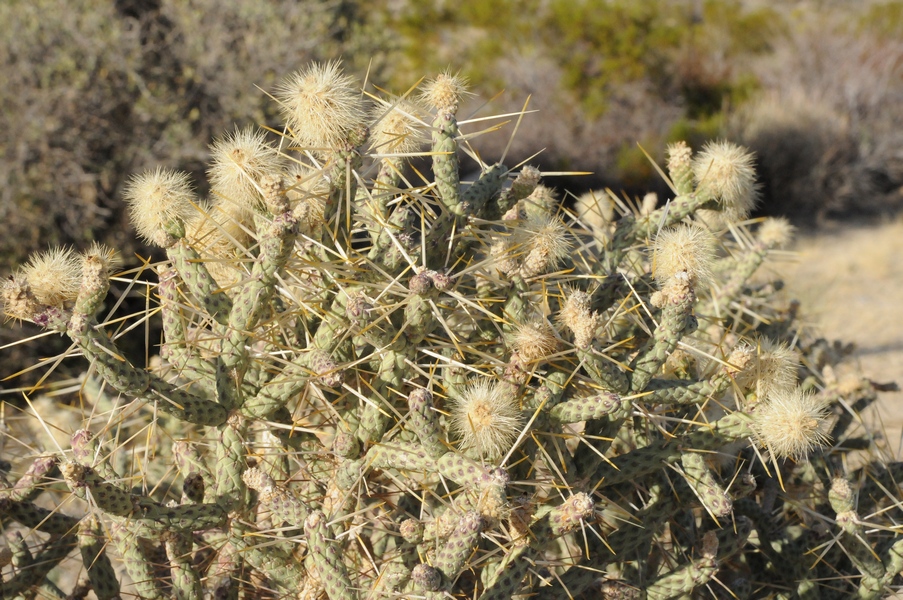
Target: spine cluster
(378,381)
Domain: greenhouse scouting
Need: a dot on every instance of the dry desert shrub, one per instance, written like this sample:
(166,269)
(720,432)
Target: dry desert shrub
(826,127)
(93,94)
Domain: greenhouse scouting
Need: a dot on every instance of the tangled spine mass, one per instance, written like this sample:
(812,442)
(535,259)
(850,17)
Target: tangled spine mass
(377,384)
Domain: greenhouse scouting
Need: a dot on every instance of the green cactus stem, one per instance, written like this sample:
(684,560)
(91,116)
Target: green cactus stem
(91,544)
(702,481)
(687,578)
(328,559)
(127,379)
(186,582)
(201,285)
(151,515)
(453,555)
(27,487)
(136,563)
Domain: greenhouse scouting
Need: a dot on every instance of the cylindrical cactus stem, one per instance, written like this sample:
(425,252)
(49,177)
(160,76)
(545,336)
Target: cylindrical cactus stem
(732,539)
(398,240)
(853,536)
(189,461)
(677,392)
(282,569)
(464,471)
(392,578)
(19,553)
(680,168)
(106,358)
(176,349)
(231,491)
(402,456)
(275,248)
(687,578)
(343,187)
(373,422)
(679,300)
(184,405)
(424,421)
(871,588)
(223,576)
(137,565)
(91,543)
(506,580)
(31,570)
(334,322)
(327,557)
(186,582)
(374,418)
(151,515)
(86,452)
(565,517)
(94,286)
(701,480)
(642,461)
(557,521)
(475,198)
(200,283)
(603,371)
(587,408)
(419,319)
(276,393)
(125,378)
(38,518)
(27,488)
(453,555)
(516,306)
(283,505)
(445,158)
(625,541)
(522,186)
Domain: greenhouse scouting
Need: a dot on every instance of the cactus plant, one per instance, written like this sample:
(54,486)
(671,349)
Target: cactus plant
(376,383)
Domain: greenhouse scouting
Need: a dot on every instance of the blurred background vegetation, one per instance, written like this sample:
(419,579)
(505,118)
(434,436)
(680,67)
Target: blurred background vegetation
(96,90)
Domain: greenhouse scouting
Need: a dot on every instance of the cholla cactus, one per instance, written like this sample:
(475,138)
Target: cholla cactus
(373,385)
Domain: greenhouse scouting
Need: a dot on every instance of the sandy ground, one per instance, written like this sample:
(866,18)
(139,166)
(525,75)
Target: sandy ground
(850,282)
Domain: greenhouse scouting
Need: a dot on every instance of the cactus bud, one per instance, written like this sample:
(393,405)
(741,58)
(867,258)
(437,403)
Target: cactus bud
(160,203)
(543,242)
(322,106)
(533,341)
(426,578)
(445,92)
(486,417)
(725,172)
(775,232)
(789,422)
(54,276)
(411,531)
(774,369)
(576,315)
(239,161)
(683,248)
(398,129)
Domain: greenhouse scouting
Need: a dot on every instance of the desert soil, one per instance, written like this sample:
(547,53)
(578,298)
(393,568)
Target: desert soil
(850,282)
